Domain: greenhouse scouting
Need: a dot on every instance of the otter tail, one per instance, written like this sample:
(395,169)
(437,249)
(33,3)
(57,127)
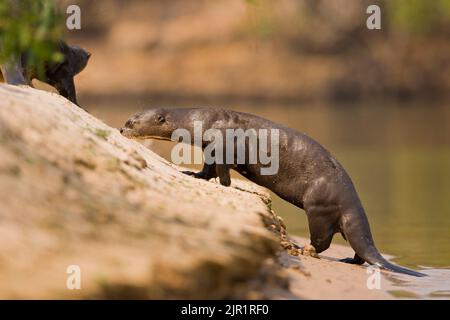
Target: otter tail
(372,256)
(358,234)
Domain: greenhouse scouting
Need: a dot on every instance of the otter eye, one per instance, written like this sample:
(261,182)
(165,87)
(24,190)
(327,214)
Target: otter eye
(160,118)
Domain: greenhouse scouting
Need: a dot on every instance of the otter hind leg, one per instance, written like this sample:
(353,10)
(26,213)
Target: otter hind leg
(355,260)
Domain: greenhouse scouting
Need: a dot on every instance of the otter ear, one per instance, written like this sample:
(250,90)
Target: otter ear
(160,118)
(63,47)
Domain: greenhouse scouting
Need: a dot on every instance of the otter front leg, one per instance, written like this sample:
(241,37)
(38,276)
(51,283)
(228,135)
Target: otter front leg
(208,172)
(66,88)
(223,172)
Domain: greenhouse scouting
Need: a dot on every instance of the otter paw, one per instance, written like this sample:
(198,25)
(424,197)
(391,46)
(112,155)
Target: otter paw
(197,175)
(348,260)
(358,260)
(309,250)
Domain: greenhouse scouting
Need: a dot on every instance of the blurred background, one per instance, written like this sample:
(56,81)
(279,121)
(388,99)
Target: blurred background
(377,99)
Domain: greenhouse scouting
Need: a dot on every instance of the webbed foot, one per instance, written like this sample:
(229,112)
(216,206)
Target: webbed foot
(198,175)
(355,260)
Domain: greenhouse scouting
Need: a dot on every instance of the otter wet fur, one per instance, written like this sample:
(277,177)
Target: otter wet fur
(308,177)
(59,75)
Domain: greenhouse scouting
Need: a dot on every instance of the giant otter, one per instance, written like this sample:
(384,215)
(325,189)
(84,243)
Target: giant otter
(308,177)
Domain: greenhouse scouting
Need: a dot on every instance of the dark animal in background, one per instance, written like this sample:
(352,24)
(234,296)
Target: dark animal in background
(59,75)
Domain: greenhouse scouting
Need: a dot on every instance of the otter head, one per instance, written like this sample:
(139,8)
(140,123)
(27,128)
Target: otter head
(74,61)
(75,57)
(153,123)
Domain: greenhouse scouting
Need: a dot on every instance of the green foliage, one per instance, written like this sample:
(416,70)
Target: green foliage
(415,17)
(418,16)
(265,23)
(31,26)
